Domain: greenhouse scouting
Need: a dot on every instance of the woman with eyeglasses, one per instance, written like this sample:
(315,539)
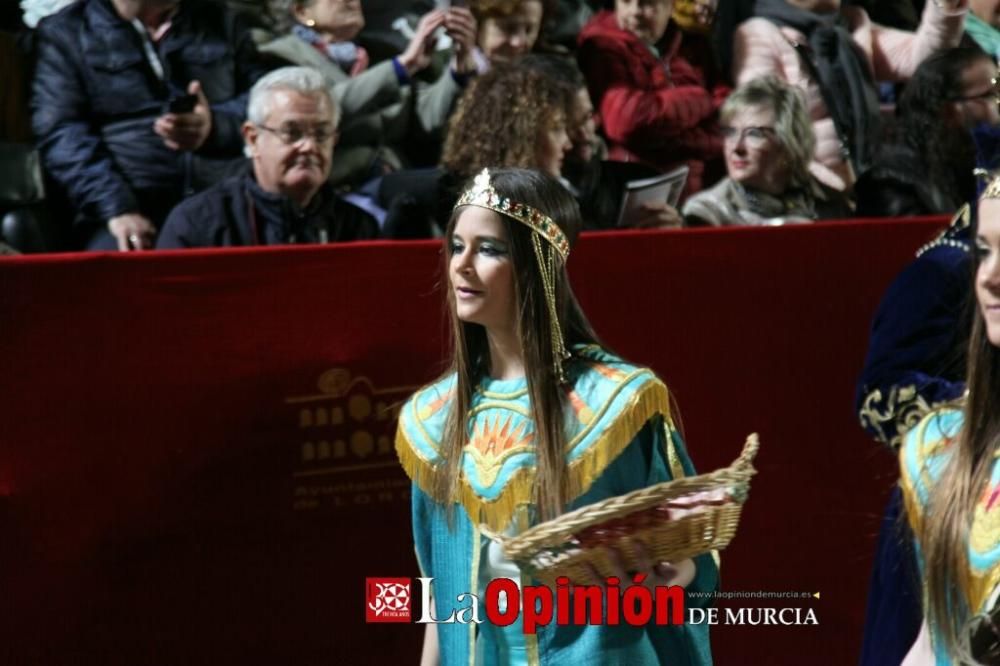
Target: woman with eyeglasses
(768,142)
(950,477)
(925,167)
(833,52)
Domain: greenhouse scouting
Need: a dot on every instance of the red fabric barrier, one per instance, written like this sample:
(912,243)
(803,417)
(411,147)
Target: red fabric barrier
(196,461)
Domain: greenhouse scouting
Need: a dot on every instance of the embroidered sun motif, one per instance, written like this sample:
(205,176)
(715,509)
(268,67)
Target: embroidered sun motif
(494,441)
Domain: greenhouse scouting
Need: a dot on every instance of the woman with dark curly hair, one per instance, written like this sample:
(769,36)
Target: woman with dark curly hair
(512,117)
(926,167)
(509,117)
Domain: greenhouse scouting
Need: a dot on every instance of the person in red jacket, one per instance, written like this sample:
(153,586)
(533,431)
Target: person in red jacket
(655,89)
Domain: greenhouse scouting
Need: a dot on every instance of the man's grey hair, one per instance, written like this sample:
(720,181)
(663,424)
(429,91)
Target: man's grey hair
(792,126)
(305,80)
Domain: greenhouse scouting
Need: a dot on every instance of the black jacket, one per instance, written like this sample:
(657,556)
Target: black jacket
(96,96)
(899,183)
(238,212)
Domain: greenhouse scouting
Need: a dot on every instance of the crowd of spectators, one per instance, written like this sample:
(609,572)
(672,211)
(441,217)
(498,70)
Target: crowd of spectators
(780,110)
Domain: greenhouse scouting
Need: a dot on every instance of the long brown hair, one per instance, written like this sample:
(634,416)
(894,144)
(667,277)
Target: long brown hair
(944,531)
(471,357)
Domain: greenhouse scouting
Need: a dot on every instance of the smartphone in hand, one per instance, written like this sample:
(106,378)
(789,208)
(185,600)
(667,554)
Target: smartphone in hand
(182,103)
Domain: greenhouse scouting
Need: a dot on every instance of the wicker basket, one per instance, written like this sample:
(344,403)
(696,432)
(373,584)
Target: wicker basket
(566,545)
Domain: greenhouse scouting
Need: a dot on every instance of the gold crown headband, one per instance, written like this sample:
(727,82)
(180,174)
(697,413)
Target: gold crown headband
(483,195)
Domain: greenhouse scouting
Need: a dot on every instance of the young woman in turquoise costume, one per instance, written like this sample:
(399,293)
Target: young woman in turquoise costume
(533,419)
(950,477)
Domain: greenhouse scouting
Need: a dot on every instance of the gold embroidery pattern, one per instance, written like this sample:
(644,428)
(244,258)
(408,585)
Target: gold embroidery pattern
(496,395)
(342,454)
(676,469)
(604,438)
(624,380)
(493,442)
(900,412)
(984,535)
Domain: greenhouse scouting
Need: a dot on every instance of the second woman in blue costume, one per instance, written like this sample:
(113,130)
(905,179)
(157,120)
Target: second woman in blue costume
(950,476)
(533,419)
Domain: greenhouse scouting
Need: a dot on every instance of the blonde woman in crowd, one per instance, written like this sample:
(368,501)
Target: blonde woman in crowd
(768,143)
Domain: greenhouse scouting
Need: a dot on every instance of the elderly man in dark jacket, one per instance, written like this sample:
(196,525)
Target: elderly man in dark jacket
(137,103)
(285,196)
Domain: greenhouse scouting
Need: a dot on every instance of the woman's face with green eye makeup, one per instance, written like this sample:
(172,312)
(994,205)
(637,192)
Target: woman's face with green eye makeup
(481,271)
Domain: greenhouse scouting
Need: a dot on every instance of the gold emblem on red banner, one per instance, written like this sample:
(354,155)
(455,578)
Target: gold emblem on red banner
(344,455)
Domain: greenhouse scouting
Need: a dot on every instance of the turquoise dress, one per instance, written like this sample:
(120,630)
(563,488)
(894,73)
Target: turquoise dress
(923,457)
(621,438)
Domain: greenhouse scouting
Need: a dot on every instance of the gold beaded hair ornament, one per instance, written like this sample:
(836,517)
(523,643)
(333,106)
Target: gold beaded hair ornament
(550,255)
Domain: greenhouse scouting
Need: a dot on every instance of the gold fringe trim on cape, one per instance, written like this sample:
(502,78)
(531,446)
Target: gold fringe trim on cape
(651,399)
(420,471)
(648,401)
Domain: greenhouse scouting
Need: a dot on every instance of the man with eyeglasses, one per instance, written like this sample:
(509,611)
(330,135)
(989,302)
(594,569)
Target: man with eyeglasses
(283,196)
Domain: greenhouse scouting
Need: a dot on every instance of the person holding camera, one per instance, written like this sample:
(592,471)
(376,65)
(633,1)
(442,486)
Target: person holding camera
(283,196)
(136,104)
